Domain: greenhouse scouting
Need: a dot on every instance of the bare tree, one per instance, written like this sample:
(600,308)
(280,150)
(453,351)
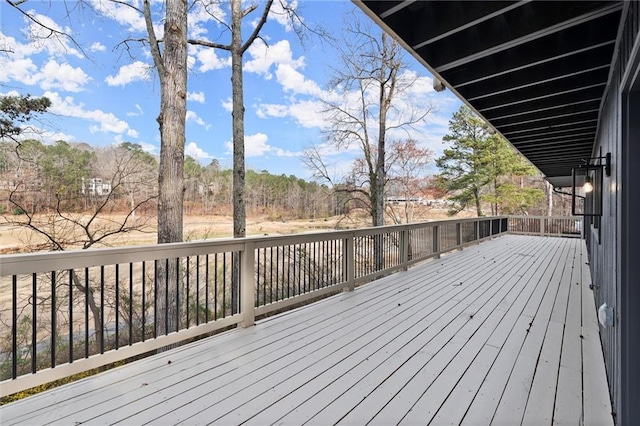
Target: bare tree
(370,73)
(367,105)
(237,47)
(170,60)
(407,179)
(171,64)
(72,215)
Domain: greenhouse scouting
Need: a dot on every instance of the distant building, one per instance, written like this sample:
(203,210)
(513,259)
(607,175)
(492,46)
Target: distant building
(95,187)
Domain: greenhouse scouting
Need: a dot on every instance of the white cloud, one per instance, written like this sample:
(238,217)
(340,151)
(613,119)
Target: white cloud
(209,60)
(58,43)
(227,105)
(263,57)
(306,113)
(256,146)
(191,61)
(294,81)
(287,69)
(151,149)
(52,75)
(106,122)
(21,70)
(128,74)
(193,150)
(122,14)
(137,112)
(278,13)
(196,97)
(46,136)
(272,110)
(199,15)
(62,76)
(192,116)
(97,47)
(283,153)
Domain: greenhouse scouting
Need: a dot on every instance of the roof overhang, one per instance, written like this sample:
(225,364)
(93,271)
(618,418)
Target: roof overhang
(537,71)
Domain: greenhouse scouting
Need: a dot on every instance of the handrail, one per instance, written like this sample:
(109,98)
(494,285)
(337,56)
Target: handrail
(558,226)
(95,307)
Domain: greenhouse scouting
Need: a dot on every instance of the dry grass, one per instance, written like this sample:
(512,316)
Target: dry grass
(15,239)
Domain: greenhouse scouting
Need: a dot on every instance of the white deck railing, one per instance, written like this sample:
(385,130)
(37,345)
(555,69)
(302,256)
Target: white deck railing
(558,226)
(63,313)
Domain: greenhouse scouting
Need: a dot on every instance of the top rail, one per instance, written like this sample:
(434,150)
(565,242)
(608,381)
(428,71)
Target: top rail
(558,226)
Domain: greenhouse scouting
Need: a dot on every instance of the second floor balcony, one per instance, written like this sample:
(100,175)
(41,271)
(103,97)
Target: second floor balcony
(486,327)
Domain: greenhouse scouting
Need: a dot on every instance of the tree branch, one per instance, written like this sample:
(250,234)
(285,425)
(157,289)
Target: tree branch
(258,27)
(52,31)
(209,44)
(153,41)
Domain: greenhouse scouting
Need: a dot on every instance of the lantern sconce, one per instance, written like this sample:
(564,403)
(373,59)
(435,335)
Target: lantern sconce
(588,180)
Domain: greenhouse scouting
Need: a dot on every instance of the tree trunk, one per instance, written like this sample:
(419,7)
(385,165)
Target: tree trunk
(173,108)
(476,197)
(239,208)
(95,310)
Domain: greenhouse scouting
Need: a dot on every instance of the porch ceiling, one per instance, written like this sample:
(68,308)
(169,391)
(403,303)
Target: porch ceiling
(536,70)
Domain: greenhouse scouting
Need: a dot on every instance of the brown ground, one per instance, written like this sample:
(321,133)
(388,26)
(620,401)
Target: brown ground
(15,239)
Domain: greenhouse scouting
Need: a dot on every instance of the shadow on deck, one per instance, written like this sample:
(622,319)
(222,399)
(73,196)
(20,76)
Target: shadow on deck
(504,332)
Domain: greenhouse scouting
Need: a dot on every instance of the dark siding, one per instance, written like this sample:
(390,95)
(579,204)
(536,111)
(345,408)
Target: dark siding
(606,245)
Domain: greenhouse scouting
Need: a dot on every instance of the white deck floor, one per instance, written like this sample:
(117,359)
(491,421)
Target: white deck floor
(502,333)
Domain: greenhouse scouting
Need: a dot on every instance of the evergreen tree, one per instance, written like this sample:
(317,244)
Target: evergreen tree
(480,166)
(16,110)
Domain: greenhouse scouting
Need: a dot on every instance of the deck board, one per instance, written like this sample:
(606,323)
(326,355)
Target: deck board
(445,342)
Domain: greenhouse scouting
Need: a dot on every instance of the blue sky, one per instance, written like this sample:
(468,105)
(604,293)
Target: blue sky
(104,91)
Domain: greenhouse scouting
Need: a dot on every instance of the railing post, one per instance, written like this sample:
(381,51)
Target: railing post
(477,229)
(404,249)
(459,235)
(490,229)
(436,241)
(248,286)
(350,263)
(541,226)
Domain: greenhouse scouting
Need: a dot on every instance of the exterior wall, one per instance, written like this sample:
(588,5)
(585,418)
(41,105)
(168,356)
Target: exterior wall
(603,242)
(608,237)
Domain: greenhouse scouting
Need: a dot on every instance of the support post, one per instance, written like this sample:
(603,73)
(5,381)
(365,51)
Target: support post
(350,263)
(404,249)
(248,285)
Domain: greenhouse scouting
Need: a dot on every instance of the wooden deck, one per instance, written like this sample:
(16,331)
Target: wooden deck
(501,333)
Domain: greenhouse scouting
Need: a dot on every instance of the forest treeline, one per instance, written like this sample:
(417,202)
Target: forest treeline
(76,177)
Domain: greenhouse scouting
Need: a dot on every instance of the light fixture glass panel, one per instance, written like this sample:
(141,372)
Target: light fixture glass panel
(587,191)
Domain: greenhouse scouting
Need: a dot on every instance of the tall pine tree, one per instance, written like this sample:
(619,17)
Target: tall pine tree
(481,167)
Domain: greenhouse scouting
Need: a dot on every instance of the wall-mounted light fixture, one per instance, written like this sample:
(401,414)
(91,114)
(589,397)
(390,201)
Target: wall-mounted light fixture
(587,186)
